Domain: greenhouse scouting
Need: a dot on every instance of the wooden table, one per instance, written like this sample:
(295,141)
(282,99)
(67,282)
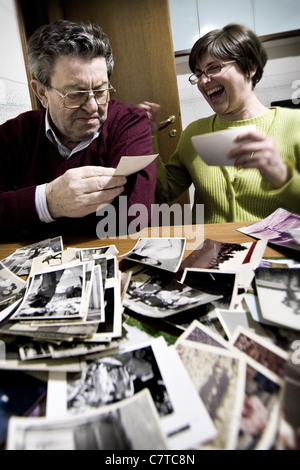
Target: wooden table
(195,234)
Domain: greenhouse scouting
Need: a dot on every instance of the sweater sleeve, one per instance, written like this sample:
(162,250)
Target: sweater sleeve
(17,196)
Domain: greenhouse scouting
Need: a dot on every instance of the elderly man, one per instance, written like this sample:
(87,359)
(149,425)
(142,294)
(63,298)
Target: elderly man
(57,163)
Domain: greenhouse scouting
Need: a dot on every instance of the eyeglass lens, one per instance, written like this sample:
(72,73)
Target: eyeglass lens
(78,98)
(208,71)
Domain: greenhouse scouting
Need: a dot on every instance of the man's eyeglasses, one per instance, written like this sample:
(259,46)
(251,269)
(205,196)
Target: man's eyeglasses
(209,71)
(76,99)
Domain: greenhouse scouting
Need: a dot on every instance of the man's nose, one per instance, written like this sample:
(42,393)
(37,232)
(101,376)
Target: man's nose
(91,103)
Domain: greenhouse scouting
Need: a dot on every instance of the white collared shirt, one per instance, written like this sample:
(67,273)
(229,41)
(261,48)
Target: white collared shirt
(40,194)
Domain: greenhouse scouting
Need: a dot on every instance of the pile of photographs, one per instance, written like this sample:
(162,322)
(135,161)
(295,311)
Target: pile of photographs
(74,329)
(69,305)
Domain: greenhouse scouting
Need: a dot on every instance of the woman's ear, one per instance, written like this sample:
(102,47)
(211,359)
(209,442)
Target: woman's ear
(253,71)
(41,92)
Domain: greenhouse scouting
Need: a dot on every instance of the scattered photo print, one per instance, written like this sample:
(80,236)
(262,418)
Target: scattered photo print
(12,288)
(54,294)
(278,292)
(21,260)
(276,228)
(164,253)
(108,428)
(158,295)
(223,284)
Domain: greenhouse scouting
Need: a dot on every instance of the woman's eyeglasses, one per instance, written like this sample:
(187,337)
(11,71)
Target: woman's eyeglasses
(209,71)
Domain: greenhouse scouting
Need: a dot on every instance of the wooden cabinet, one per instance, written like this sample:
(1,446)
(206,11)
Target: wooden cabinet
(192,19)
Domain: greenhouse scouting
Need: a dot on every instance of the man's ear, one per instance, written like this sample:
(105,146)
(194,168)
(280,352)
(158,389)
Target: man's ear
(41,92)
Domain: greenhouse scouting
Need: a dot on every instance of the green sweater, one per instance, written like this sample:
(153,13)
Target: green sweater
(230,194)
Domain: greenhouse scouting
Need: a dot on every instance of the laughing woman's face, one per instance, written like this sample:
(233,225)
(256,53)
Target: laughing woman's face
(227,92)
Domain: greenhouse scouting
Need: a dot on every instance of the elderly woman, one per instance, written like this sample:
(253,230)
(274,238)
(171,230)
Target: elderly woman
(226,65)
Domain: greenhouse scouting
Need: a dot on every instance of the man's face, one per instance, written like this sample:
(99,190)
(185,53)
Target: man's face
(76,74)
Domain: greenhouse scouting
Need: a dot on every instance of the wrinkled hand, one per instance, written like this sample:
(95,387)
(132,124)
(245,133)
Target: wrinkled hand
(259,151)
(153,111)
(80,191)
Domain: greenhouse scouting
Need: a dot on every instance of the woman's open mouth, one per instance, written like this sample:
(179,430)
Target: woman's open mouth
(215,93)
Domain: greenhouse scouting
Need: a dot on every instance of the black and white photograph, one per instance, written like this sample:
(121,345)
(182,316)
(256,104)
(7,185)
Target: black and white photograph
(86,254)
(223,284)
(212,254)
(151,365)
(206,314)
(278,292)
(231,319)
(111,268)
(20,261)
(96,310)
(164,253)
(159,295)
(11,287)
(47,333)
(34,350)
(92,301)
(45,262)
(69,349)
(118,377)
(239,258)
(112,326)
(107,428)
(54,294)
(253,320)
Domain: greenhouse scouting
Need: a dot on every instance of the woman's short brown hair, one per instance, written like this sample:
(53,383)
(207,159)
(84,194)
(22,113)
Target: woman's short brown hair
(236,42)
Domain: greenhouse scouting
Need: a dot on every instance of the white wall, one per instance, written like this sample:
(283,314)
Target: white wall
(281,72)
(14,92)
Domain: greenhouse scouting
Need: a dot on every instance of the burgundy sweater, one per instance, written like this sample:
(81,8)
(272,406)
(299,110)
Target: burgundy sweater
(28,158)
